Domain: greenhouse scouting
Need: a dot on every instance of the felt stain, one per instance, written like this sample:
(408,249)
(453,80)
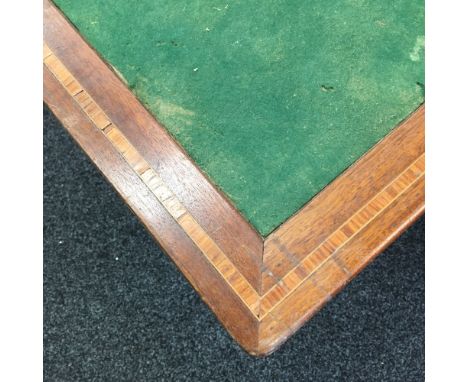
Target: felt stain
(219,9)
(415,54)
(170,110)
(381,23)
(164,43)
(327,89)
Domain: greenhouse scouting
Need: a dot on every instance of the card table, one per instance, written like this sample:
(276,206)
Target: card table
(272,149)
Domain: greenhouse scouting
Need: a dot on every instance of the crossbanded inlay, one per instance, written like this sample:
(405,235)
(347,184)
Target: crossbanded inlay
(153,181)
(312,264)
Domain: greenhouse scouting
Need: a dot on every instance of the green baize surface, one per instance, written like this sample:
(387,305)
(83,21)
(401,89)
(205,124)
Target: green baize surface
(272,99)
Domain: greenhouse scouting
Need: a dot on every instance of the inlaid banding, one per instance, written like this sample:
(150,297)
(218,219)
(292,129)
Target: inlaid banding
(301,271)
(356,223)
(153,181)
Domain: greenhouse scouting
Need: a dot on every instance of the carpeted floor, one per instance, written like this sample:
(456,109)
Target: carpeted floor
(117,309)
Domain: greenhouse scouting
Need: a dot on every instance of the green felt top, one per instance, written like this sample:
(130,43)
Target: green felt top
(272,99)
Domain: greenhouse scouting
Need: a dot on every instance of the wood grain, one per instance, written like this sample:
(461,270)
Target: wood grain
(262,291)
(241,243)
(344,234)
(227,306)
(154,182)
(294,311)
(288,245)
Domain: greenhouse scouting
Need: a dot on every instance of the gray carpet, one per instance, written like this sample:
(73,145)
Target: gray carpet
(117,309)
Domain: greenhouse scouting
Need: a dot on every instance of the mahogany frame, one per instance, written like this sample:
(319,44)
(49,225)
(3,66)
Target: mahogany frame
(261,289)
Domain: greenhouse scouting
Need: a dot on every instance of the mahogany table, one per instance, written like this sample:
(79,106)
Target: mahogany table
(262,288)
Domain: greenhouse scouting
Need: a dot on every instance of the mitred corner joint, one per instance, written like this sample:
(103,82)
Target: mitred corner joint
(261,289)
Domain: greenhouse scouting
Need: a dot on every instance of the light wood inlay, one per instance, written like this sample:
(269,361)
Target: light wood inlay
(260,306)
(290,243)
(261,289)
(154,182)
(340,237)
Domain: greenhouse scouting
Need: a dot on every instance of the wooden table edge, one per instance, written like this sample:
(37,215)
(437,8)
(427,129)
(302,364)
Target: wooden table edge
(264,309)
